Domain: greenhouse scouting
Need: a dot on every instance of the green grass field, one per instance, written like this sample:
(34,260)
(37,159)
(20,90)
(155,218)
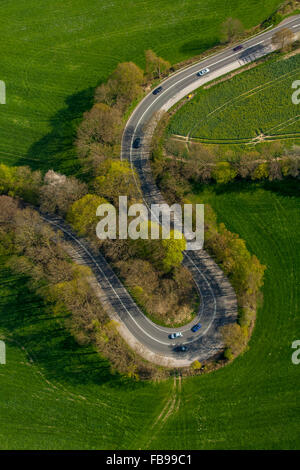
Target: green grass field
(254,102)
(67,397)
(54,53)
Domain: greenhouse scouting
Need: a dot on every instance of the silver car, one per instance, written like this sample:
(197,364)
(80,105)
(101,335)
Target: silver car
(175,335)
(203,72)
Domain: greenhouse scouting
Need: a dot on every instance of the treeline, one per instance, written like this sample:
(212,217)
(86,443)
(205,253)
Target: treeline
(178,166)
(34,250)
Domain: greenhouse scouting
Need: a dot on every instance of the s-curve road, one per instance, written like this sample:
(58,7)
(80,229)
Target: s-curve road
(153,338)
(218,300)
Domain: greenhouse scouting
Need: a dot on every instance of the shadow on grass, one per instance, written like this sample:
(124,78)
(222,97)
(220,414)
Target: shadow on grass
(197,46)
(286,187)
(26,321)
(56,149)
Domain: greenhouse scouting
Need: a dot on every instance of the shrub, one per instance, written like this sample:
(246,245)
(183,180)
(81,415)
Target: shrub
(246,317)
(196,365)
(228,354)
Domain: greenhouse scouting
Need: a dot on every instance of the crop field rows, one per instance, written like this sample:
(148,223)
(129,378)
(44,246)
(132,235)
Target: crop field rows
(255,102)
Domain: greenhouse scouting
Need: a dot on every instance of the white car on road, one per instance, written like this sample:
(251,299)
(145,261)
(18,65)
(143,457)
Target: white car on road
(175,335)
(203,72)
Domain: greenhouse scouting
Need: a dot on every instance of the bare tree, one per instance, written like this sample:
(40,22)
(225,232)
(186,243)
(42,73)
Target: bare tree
(283,39)
(155,66)
(59,192)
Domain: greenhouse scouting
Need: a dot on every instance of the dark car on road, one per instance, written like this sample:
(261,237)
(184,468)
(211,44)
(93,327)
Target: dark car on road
(136,143)
(181,348)
(237,48)
(196,327)
(157,90)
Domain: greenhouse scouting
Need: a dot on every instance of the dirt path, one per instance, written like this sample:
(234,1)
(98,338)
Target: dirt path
(170,408)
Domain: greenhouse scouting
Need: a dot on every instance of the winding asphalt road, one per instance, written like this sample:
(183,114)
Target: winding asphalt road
(218,301)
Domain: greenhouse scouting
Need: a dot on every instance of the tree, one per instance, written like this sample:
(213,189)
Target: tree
(82,214)
(8,210)
(260,172)
(233,337)
(228,354)
(173,249)
(155,66)
(196,365)
(139,272)
(164,254)
(275,170)
(282,39)
(123,86)
(116,178)
(20,181)
(101,125)
(59,192)
(231,29)
(223,173)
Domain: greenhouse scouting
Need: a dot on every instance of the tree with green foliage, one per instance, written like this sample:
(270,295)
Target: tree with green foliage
(116,178)
(21,182)
(228,354)
(223,173)
(82,214)
(196,365)
(260,172)
(173,252)
(164,254)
